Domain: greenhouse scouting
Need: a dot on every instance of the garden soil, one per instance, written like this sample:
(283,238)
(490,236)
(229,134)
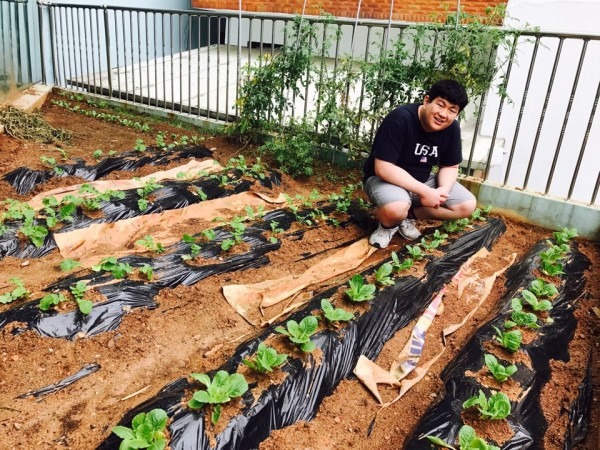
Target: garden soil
(194,329)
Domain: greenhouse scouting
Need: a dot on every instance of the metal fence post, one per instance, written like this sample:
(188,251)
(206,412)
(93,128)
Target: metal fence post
(107,40)
(41,31)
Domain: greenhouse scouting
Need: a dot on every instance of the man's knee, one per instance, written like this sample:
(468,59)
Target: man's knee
(464,209)
(393,213)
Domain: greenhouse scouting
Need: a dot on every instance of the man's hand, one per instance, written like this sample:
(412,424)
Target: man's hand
(433,198)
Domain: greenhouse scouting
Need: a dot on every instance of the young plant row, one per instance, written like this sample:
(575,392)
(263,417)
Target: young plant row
(537,298)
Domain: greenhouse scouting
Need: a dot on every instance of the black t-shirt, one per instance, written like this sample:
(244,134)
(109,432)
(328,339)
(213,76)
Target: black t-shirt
(402,141)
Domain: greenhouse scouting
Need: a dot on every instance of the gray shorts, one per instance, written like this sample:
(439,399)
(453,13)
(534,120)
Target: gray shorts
(381,193)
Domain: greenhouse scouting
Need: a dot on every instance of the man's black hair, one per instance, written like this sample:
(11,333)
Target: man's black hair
(450,90)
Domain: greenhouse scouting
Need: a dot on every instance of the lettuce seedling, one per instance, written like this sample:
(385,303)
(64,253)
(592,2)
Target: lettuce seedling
(536,305)
(430,245)
(382,275)
(542,289)
(78,290)
(147,270)
(147,431)
(50,300)
(510,340)
(266,359)
(359,291)
(467,439)
(415,252)
(110,264)
(521,318)
(220,390)
(150,245)
(144,192)
(398,266)
(441,237)
(551,269)
(275,231)
(20,291)
(500,373)
(300,333)
(69,264)
(564,235)
(35,233)
(209,234)
(335,314)
(497,407)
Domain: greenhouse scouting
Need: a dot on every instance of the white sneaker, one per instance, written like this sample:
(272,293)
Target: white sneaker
(381,237)
(408,230)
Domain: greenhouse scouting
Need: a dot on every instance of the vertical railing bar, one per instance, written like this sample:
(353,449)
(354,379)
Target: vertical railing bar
(543,113)
(139,35)
(172,63)
(305,112)
(190,21)
(273,22)
(85,41)
(198,76)
(475,132)
(108,63)
(596,188)
(41,39)
(154,34)
(69,45)
(17,44)
(228,19)
(567,113)
(208,53)
(520,117)
(79,45)
(131,54)
(239,68)
(124,56)
(97,11)
(164,45)
(335,67)
(321,73)
(62,46)
(250,23)
(51,19)
(584,143)
(146,38)
(362,84)
(29,57)
(116,51)
(218,108)
(180,64)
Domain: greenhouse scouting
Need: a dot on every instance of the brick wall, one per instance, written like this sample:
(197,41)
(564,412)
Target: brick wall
(404,10)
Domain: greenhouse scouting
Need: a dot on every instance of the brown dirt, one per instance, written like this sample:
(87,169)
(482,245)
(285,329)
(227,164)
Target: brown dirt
(195,330)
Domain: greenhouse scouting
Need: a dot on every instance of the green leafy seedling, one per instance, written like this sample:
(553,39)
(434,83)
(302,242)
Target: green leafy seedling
(467,439)
(497,407)
(50,300)
(542,289)
(97,154)
(564,235)
(441,237)
(521,318)
(300,333)
(275,231)
(220,390)
(536,305)
(150,245)
(35,233)
(359,291)
(139,145)
(209,234)
(78,291)
(382,275)
(147,431)
(69,264)
(398,266)
(429,245)
(510,340)
(227,244)
(147,270)
(110,264)
(499,372)
(335,314)
(19,292)
(266,359)
(415,252)
(551,269)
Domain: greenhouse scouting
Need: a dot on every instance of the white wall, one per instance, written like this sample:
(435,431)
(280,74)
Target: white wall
(567,16)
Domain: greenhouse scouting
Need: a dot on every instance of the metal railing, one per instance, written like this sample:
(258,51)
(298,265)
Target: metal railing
(18,45)
(544,137)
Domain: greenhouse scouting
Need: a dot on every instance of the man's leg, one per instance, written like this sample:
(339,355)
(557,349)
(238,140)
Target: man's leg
(460,204)
(392,204)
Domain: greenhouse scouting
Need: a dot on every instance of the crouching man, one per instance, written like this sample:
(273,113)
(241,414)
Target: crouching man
(397,174)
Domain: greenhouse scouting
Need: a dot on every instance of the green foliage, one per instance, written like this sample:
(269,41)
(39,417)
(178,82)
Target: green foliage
(150,245)
(300,333)
(294,150)
(35,233)
(497,407)
(500,372)
(110,264)
(564,235)
(359,291)
(510,340)
(139,145)
(97,154)
(147,431)
(536,305)
(335,314)
(429,245)
(521,318)
(542,289)
(209,234)
(467,439)
(220,390)
(78,291)
(144,192)
(265,360)
(415,252)
(382,275)
(69,264)
(275,231)
(19,292)
(50,300)
(398,266)
(147,270)
(454,226)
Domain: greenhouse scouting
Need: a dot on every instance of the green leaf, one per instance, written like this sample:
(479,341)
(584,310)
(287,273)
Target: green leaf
(466,435)
(216,415)
(85,306)
(69,264)
(123,432)
(439,442)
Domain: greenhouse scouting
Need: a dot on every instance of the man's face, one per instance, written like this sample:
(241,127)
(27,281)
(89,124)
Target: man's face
(437,114)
